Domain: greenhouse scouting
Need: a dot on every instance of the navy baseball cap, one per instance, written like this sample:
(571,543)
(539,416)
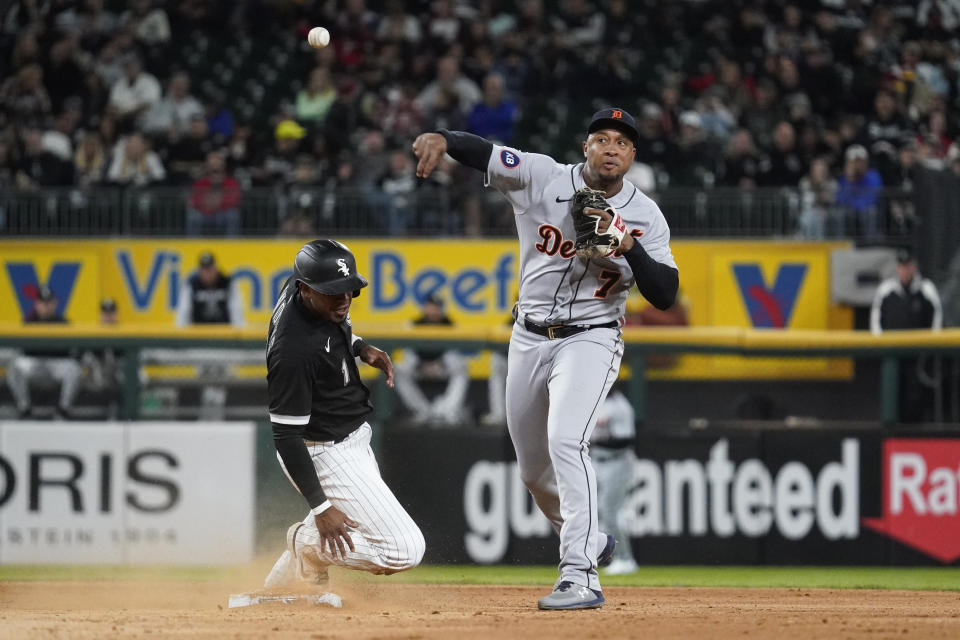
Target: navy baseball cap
(206,259)
(45,294)
(615,118)
(905,255)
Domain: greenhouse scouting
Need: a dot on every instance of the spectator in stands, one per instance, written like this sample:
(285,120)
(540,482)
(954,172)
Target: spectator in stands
(761,116)
(109,62)
(149,23)
(23,95)
(172,116)
(858,192)
(220,122)
(398,187)
(93,98)
(443,26)
(578,24)
(90,19)
(716,118)
(695,159)
(315,100)
(134,93)
(448,85)
(302,198)
(89,161)
(21,14)
(742,162)
(884,133)
(886,124)
(44,365)
(40,168)
(187,156)
(134,164)
(275,167)
(345,202)
(214,201)
(785,166)
(909,301)
(447,409)
(58,139)
(209,297)
(493,118)
(64,70)
(403,116)
(818,194)
(398,26)
(654,147)
(8,166)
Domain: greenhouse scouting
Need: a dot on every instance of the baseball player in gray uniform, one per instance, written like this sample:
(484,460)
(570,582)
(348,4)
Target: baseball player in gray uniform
(612,441)
(566,346)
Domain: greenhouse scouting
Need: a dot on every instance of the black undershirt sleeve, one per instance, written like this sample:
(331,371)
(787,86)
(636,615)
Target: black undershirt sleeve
(657,282)
(467,148)
(288,440)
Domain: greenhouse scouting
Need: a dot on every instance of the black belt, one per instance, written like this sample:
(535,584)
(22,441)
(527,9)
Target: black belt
(558,331)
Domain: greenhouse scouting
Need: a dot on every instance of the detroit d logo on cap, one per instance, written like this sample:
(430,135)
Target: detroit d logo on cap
(344,269)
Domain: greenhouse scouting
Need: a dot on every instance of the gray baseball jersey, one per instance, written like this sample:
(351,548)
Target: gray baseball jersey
(556,287)
(556,386)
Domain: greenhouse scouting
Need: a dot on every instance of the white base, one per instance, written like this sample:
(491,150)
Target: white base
(246,600)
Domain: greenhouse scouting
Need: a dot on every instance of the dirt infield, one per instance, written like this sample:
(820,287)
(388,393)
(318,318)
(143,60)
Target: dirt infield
(382,610)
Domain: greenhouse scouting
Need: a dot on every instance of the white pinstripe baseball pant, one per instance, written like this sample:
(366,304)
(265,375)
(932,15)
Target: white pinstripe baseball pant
(388,540)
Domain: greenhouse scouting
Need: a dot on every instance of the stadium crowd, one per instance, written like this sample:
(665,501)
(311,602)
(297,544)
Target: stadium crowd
(837,99)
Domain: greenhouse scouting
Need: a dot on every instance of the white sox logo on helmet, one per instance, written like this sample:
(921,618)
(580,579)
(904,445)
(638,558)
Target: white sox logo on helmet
(344,269)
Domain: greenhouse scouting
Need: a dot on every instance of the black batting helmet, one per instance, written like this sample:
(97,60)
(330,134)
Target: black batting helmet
(328,267)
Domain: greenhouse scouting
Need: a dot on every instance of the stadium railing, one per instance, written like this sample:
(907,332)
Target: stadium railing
(163,211)
(890,347)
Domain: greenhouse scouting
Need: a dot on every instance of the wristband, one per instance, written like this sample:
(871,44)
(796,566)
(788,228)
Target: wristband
(321,508)
(358,346)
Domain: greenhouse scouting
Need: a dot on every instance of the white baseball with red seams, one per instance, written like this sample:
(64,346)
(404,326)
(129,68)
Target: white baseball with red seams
(318,37)
(556,386)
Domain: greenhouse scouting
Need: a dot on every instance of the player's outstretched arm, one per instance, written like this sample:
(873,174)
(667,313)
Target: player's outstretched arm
(463,147)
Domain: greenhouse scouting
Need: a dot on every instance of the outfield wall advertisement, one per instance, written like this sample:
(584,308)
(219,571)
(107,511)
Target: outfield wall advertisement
(115,493)
(761,497)
(723,283)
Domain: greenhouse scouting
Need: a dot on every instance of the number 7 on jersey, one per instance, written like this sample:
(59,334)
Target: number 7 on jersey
(608,278)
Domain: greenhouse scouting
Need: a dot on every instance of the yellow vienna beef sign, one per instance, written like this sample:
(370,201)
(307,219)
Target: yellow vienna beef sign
(734,284)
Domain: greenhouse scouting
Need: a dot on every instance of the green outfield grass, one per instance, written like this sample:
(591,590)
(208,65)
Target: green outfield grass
(791,577)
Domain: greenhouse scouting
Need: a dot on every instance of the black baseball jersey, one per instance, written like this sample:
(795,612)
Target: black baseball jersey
(211,305)
(312,376)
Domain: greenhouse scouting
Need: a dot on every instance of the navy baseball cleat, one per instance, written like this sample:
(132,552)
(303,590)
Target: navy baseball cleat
(567,595)
(605,557)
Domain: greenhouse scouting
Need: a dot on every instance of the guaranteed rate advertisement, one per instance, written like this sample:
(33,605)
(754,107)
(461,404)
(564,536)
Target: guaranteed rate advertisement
(766,285)
(739,497)
(126,493)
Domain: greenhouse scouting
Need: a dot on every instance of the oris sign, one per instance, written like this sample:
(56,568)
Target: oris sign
(135,493)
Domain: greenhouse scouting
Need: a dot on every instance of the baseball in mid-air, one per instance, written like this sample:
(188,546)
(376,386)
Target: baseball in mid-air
(318,37)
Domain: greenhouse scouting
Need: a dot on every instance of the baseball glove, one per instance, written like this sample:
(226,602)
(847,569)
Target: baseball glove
(591,242)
